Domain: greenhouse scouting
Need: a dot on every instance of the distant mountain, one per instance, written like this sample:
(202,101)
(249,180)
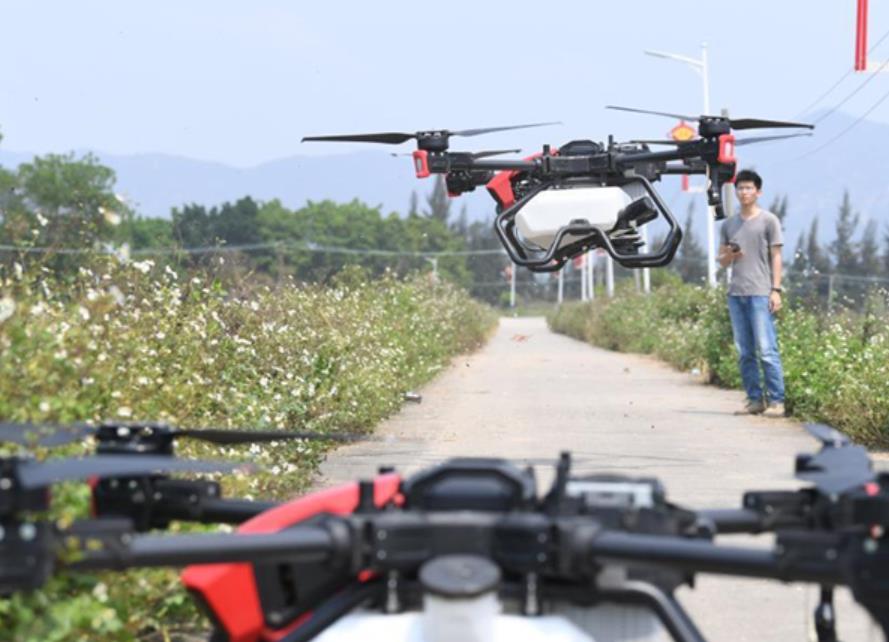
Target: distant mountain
(158,182)
(857,161)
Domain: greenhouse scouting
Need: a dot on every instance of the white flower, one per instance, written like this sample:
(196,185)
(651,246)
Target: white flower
(42,219)
(17,267)
(83,312)
(171,272)
(44,406)
(124,411)
(112,218)
(7,308)
(100,592)
(160,335)
(144,266)
(117,295)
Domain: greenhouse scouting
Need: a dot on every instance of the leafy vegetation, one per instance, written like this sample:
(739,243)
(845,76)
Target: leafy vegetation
(138,341)
(836,365)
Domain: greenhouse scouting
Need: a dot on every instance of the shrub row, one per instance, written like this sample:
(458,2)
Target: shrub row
(835,364)
(137,342)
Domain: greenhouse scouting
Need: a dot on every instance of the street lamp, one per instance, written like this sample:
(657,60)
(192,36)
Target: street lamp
(701,66)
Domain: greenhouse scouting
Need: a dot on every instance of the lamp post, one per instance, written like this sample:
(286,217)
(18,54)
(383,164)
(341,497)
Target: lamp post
(702,67)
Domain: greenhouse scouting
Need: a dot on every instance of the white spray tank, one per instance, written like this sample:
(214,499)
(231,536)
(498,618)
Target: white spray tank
(545,214)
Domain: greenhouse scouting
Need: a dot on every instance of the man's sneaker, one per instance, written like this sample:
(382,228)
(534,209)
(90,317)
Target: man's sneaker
(775,409)
(752,407)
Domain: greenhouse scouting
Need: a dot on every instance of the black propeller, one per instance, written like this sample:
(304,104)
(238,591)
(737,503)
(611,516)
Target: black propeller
(827,435)
(736,123)
(33,474)
(47,435)
(738,142)
(396,138)
(483,154)
(838,466)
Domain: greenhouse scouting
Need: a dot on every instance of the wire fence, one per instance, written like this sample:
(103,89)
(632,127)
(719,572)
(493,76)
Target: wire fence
(485,271)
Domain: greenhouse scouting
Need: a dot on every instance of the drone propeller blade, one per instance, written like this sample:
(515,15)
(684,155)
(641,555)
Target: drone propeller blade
(653,113)
(488,130)
(659,142)
(827,435)
(736,123)
(396,138)
(765,139)
(26,434)
(389,138)
(836,469)
(761,123)
(231,437)
(838,466)
(494,152)
(35,474)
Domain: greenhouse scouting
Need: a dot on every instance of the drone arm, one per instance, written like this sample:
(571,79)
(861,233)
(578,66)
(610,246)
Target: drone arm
(678,170)
(306,544)
(442,163)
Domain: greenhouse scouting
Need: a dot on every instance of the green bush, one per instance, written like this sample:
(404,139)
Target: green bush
(137,342)
(835,365)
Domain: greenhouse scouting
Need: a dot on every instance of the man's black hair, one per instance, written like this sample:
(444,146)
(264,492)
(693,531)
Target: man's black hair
(750,176)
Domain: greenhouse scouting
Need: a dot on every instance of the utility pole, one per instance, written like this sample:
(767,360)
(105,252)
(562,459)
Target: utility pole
(434,261)
(703,68)
(583,282)
(646,272)
(609,276)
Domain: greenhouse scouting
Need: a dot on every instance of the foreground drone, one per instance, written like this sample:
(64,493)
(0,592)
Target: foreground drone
(468,549)
(563,202)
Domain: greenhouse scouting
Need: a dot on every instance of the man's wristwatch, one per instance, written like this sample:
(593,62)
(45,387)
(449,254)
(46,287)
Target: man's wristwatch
(779,290)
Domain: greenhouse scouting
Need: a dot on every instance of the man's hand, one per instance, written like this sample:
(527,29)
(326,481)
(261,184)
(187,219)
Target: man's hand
(727,255)
(774,301)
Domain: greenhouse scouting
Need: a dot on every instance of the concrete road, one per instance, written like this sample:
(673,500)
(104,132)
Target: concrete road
(530,394)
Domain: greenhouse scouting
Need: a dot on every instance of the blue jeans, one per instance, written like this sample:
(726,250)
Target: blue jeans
(757,342)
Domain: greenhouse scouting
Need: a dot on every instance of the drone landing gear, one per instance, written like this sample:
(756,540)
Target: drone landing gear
(825,616)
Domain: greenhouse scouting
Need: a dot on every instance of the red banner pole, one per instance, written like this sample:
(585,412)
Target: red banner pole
(861,37)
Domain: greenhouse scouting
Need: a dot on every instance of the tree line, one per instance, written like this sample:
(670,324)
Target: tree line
(845,269)
(58,203)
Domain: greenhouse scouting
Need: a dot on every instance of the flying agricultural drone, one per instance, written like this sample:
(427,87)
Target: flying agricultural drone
(561,203)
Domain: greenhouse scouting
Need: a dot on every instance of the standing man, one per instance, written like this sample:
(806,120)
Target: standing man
(751,244)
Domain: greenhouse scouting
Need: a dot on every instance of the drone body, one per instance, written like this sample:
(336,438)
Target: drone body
(563,202)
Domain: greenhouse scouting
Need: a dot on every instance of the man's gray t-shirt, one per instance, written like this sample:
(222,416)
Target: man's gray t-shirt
(752,273)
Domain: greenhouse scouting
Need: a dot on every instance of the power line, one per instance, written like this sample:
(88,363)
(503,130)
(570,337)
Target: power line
(307,246)
(842,78)
(847,129)
(852,93)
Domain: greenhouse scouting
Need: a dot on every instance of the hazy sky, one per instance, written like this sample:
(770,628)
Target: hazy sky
(242,82)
